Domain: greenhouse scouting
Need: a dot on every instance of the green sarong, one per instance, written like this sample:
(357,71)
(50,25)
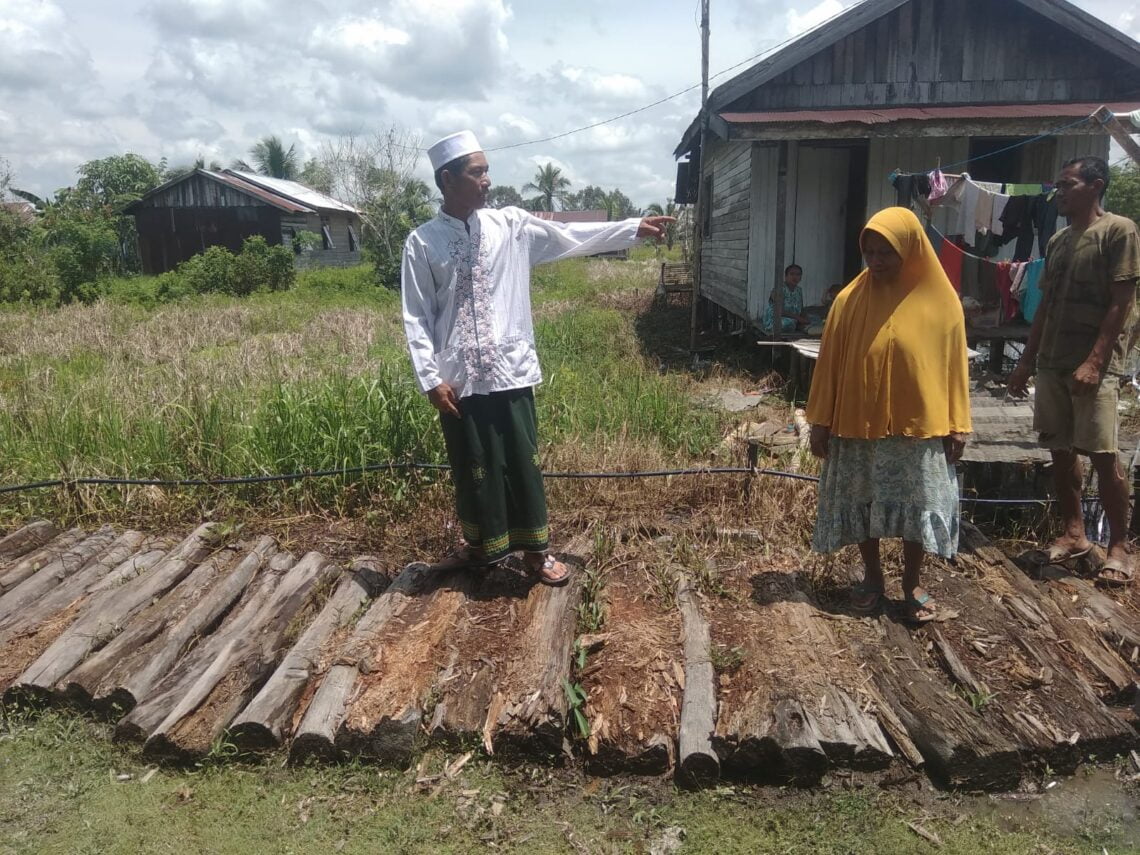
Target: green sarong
(493,452)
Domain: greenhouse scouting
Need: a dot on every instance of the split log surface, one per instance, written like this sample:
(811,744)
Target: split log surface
(164,693)
(698,764)
(238,669)
(269,716)
(51,574)
(786,712)
(959,746)
(316,735)
(123,671)
(529,708)
(384,718)
(23,540)
(12,576)
(109,612)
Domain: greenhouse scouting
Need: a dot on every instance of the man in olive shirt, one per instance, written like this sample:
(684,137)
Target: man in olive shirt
(1079,343)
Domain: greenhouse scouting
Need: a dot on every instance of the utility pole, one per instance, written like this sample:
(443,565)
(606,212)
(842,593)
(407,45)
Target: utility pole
(702,196)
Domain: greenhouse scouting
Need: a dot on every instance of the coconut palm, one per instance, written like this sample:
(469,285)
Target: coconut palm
(550,184)
(270,157)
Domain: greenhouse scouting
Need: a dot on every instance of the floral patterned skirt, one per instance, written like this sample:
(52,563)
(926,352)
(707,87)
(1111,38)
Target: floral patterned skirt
(897,486)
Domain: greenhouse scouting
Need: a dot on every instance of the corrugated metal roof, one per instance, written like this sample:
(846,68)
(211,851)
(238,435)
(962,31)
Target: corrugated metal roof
(877,116)
(598,216)
(270,198)
(292,190)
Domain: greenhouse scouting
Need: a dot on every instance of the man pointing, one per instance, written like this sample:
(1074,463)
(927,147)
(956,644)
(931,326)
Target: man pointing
(467,315)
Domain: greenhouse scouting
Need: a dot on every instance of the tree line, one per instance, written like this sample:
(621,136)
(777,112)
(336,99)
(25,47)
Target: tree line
(59,249)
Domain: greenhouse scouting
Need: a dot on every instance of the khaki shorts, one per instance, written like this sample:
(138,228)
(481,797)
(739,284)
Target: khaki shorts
(1068,422)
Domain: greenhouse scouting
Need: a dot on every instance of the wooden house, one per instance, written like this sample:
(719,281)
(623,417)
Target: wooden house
(801,144)
(205,208)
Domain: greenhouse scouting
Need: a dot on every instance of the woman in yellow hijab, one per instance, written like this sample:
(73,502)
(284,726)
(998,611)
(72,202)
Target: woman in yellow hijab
(890,408)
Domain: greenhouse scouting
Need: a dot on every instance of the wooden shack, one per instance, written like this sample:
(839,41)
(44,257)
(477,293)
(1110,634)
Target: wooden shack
(205,208)
(802,143)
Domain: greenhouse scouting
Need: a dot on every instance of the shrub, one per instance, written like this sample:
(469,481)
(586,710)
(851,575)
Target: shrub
(261,267)
(210,272)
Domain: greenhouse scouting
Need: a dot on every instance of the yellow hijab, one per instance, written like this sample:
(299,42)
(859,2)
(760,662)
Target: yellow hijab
(893,357)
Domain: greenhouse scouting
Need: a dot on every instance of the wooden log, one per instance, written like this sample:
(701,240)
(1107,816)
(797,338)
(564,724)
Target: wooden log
(163,695)
(51,574)
(269,717)
(316,735)
(959,746)
(237,670)
(27,565)
(698,764)
(1009,665)
(108,613)
(123,671)
(527,713)
(384,718)
(787,715)
(23,645)
(23,540)
(129,549)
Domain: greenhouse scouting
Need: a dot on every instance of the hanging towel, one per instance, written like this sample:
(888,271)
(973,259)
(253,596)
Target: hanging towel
(1004,283)
(968,209)
(984,212)
(951,258)
(1022,189)
(1018,288)
(1032,287)
(939,186)
(996,226)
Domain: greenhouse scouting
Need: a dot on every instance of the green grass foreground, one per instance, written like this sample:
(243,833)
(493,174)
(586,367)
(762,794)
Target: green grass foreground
(64,788)
(314,378)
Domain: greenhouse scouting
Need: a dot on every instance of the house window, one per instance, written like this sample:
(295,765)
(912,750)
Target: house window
(706,219)
(326,234)
(353,240)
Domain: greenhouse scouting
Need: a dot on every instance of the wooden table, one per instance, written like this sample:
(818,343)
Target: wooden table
(997,337)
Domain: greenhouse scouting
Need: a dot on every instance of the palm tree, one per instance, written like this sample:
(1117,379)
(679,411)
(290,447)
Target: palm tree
(271,158)
(549,183)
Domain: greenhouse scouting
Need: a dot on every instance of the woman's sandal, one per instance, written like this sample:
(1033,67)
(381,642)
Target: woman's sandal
(543,572)
(1116,573)
(921,609)
(1057,554)
(871,599)
(465,557)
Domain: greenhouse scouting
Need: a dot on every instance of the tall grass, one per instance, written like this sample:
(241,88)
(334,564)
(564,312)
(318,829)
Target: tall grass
(316,378)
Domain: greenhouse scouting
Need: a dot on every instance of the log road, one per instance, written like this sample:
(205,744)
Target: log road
(187,642)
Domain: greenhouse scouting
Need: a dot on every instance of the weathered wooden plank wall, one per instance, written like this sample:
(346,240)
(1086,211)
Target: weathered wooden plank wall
(949,52)
(762,227)
(724,253)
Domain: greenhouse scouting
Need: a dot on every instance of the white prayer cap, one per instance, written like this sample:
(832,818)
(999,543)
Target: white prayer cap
(451,147)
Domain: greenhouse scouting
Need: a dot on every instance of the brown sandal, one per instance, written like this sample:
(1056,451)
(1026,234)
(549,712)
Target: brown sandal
(1116,573)
(543,572)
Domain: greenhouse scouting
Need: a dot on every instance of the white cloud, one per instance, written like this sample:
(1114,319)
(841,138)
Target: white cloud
(38,49)
(798,22)
(216,19)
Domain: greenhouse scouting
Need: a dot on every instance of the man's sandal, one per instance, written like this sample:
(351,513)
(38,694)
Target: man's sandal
(1116,573)
(865,600)
(465,557)
(1057,554)
(921,609)
(545,572)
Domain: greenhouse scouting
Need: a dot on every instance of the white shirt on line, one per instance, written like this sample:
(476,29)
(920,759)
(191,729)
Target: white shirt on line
(466,293)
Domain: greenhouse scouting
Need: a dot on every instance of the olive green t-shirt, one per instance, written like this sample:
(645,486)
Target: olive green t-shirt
(1076,291)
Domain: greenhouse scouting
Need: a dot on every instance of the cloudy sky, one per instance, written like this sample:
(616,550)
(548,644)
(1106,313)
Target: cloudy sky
(81,79)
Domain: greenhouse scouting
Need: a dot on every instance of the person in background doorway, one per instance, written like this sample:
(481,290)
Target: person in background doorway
(890,410)
(1078,346)
(792,316)
(829,298)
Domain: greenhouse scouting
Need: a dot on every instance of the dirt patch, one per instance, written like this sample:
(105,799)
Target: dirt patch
(17,653)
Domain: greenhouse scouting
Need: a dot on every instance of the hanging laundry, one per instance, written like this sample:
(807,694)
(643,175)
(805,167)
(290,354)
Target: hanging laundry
(1032,289)
(1018,287)
(951,258)
(911,187)
(984,212)
(1044,213)
(939,186)
(1022,189)
(1017,224)
(1003,281)
(987,284)
(971,284)
(996,225)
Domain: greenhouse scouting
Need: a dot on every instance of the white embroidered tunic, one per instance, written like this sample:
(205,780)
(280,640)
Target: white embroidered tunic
(466,293)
